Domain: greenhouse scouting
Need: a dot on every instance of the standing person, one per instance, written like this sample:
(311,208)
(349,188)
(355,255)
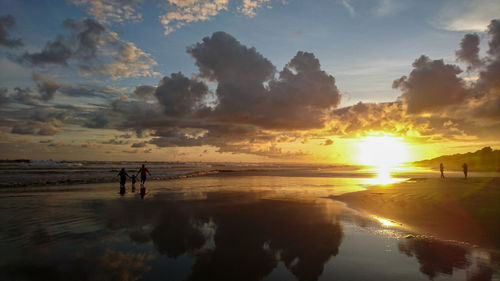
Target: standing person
(465,168)
(143,171)
(441,168)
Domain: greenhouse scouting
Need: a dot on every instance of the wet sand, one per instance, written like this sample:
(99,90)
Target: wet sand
(218,228)
(452,209)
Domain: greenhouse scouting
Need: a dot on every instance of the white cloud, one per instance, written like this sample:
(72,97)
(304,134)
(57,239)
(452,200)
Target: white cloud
(467,15)
(388,7)
(182,12)
(248,7)
(129,62)
(347,4)
(108,11)
(174,13)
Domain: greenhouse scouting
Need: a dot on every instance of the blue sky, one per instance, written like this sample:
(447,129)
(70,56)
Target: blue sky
(365,51)
(365,45)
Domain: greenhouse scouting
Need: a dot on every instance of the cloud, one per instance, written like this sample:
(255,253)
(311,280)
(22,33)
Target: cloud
(465,15)
(97,120)
(139,144)
(494,32)
(328,142)
(179,95)
(221,57)
(432,84)
(348,5)
(115,141)
(96,50)
(8,22)
(252,109)
(107,11)
(180,13)
(175,13)
(54,52)
(58,144)
(388,7)
(91,145)
(46,87)
(469,51)
(4,98)
(130,62)
(248,7)
(88,36)
(298,98)
(36,128)
(144,92)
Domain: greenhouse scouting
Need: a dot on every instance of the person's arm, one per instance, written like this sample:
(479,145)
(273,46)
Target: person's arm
(148,172)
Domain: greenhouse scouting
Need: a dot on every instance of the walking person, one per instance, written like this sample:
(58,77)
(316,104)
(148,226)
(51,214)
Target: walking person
(466,169)
(144,172)
(441,168)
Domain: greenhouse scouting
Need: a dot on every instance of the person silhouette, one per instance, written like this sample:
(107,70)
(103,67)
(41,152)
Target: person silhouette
(465,168)
(143,192)
(441,168)
(134,180)
(143,171)
(123,179)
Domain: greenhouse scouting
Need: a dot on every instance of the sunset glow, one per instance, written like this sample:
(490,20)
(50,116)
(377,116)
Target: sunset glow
(382,151)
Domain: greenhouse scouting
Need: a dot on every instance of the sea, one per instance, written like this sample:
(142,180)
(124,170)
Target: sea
(63,220)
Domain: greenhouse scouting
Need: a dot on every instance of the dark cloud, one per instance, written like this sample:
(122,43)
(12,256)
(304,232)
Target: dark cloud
(4,99)
(35,128)
(54,52)
(144,91)
(97,120)
(57,144)
(431,85)
(139,144)
(494,44)
(328,142)
(8,22)
(250,110)
(223,58)
(97,51)
(46,87)
(87,36)
(24,96)
(179,95)
(298,99)
(89,91)
(469,51)
(115,141)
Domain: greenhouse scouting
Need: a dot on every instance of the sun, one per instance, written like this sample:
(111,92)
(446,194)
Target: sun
(384,154)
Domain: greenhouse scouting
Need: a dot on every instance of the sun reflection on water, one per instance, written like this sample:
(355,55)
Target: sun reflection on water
(385,222)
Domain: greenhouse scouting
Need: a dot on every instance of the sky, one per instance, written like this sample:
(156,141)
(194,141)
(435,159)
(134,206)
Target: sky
(246,80)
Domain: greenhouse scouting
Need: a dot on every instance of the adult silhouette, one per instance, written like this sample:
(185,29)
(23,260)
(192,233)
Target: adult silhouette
(144,172)
(123,177)
(466,169)
(441,168)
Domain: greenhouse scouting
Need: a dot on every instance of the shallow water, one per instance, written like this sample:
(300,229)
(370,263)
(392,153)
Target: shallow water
(219,228)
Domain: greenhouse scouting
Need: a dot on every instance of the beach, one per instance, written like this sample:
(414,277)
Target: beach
(452,208)
(232,226)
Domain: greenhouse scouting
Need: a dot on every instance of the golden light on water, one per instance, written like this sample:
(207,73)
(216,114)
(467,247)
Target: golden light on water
(384,153)
(385,222)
